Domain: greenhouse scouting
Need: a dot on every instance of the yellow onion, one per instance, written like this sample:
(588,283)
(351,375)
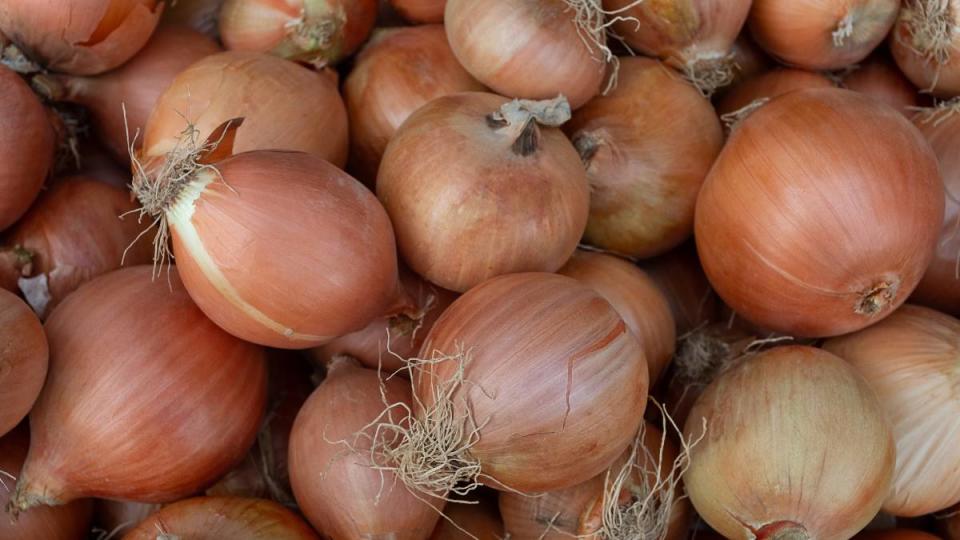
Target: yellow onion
(768,85)
(827,228)
(479,521)
(235,518)
(880,79)
(681,280)
(420,11)
(201,15)
(796,447)
(821,34)
(925,43)
(647,147)
(23,360)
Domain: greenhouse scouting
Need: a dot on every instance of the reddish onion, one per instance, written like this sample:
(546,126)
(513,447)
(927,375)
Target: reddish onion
(681,280)
(23,363)
(420,11)
(235,518)
(861,227)
(398,71)
(120,517)
(926,43)
(145,399)
(880,79)
(768,85)
(201,15)
(480,521)
(477,188)
(647,147)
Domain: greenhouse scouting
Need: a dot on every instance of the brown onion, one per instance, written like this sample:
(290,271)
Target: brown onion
(145,399)
(23,360)
(210,518)
(821,34)
(925,43)
(681,280)
(397,72)
(120,517)
(768,85)
(479,521)
(477,188)
(201,15)
(896,534)
(880,79)
(420,11)
(829,228)
(749,59)
(796,447)
(647,147)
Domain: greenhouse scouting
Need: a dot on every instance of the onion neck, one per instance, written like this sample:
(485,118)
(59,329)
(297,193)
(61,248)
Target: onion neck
(782,530)
(341,363)
(315,35)
(878,298)
(587,144)
(32,492)
(519,120)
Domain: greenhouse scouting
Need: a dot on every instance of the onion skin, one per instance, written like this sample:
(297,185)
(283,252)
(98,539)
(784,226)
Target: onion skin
(148,334)
(214,518)
(121,516)
(681,280)
(647,146)
(911,361)
(896,534)
(420,11)
(201,15)
(931,66)
(871,176)
(749,59)
(23,363)
(815,34)
(770,84)
(480,520)
(284,107)
(880,79)
(396,73)
(820,451)
(524,49)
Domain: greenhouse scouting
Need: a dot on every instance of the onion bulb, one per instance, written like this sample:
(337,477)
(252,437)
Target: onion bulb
(235,518)
(145,399)
(819,450)
(647,147)
(420,11)
(23,362)
(201,15)
(120,517)
(896,534)
(478,186)
(821,34)
(925,43)
(479,521)
(330,459)
(749,59)
(767,86)
(681,280)
(880,79)
(318,32)
(397,72)
(852,189)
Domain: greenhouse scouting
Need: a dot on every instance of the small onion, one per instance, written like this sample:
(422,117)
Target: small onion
(120,517)
(420,11)
(769,85)
(201,15)
(828,228)
(145,399)
(896,534)
(476,188)
(23,360)
(480,521)
(236,518)
(681,280)
(796,447)
(880,79)
(821,34)
(925,43)
(647,147)
(397,72)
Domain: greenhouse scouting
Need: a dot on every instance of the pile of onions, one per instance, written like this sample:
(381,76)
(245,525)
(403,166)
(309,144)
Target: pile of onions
(530,49)
(768,85)
(479,521)
(398,71)
(73,234)
(478,186)
(926,43)
(284,106)
(330,460)
(879,78)
(318,32)
(145,398)
(819,450)
(23,365)
(121,516)
(647,147)
(852,189)
(821,34)
(912,360)
(201,15)
(420,11)
(81,37)
(235,518)
(681,280)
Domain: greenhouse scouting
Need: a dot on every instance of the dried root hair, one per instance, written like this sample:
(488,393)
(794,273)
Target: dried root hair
(594,25)
(313,35)
(709,73)
(733,118)
(931,28)
(704,353)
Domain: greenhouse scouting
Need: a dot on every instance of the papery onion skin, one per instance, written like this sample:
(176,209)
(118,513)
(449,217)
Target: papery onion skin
(930,60)
(821,34)
(911,360)
(647,147)
(880,79)
(525,49)
(121,516)
(396,73)
(820,451)
(681,280)
(420,11)
(860,232)
(481,521)
(201,15)
(284,106)
(769,85)
(133,360)
(23,363)
(215,518)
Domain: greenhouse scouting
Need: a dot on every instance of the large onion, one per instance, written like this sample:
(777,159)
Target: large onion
(769,85)
(681,280)
(879,78)
(211,518)
(420,11)
(647,147)
(926,43)
(830,227)
(23,360)
(145,398)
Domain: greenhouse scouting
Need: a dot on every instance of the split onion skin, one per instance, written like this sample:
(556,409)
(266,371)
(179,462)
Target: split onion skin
(524,49)
(769,85)
(854,190)
(879,78)
(23,360)
(420,11)
(917,54)
(820,451)
(679,277)
(647,147)
(216,518)
(397,72)
(911,361)
(815,34)
(132,360)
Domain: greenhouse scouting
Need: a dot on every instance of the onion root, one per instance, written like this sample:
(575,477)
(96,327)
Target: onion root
(930,24)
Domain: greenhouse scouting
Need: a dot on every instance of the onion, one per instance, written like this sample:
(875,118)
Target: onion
(120,517)
(284,107)
(420,11)
(398,71)
(145,400)
(72,235)
(880,79)
(531,49)
(749,59)
(647,147)
(896,534)
(860,231)
(480,521)
(767,86)
(821,34)
(950,526)
(235,518)
(330,466)
(681,280)
(82,37)
(555,515)
(925,43)
(636,298)
(319,32)
(796,448)
(476,188)
(23,363)
(694,36)
(201,15)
